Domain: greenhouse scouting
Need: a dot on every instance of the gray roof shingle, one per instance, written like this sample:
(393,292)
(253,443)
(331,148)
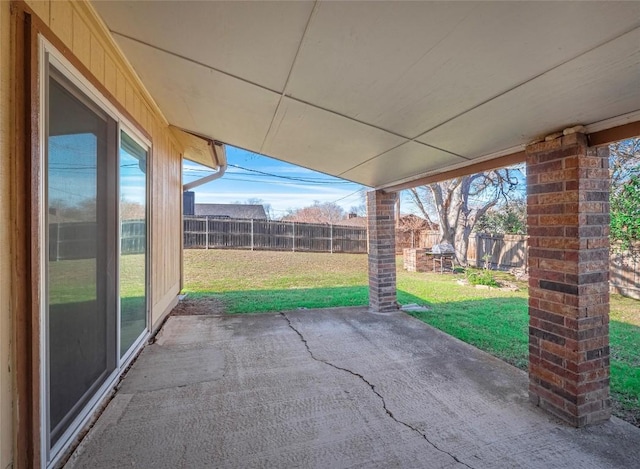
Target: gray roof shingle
(243,211)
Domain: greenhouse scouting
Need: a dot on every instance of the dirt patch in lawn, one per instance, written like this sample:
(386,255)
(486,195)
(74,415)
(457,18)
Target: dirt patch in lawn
(622,412)
(199,307)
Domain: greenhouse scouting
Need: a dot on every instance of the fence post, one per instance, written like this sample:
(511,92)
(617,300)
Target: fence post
(206,231)
(252,234)
(57,241)
(293,224)
(331,237)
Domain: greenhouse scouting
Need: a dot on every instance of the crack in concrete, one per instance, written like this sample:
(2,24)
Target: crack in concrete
(373,389)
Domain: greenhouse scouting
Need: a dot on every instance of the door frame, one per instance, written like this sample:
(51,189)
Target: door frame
(26,202)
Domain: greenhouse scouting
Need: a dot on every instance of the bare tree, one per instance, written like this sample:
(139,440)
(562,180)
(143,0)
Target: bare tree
(359,210)
(458,203)
(624,161)
(268,210)
(327,212)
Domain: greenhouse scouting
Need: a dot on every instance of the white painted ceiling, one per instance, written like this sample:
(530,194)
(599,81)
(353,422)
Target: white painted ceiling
(383,92)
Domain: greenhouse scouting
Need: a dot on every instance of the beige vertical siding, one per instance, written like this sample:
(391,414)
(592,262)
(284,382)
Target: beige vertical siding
(166,222)
(77,25)
(6,399)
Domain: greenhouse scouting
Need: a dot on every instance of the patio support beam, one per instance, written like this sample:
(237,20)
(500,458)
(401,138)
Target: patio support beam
(568,227)
(382,251)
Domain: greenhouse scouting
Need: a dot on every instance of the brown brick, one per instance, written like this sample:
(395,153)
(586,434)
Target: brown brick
(569,270)
(542,231)
(555,176)
(542,148)
(546,209)
(546,375)
(558,266)
(559,350)
(558,243)
(545,188)
(382,273)
(554,220)
(559,197)
(547,295)
(546,167)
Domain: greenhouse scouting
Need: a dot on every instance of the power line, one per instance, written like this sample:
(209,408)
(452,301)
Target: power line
(259,178)
(265,181)
(308,180)
(349,195)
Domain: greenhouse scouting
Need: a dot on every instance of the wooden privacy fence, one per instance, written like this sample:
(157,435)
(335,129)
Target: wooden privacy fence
(510,251)
(77,240)
(624,275)
(501,251)
(221,233)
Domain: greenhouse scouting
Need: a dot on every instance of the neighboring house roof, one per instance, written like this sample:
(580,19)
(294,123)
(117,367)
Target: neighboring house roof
(414,222)
(231,211)
(353,221)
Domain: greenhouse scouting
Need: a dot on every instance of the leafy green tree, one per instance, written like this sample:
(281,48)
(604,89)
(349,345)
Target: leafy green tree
(509,218)
(625,213)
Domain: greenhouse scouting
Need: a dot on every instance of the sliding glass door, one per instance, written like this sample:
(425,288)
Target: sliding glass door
(95,301)
(80,324)
(133,242)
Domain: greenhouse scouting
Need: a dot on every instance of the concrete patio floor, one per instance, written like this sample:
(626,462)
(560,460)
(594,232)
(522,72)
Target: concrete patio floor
(333,388)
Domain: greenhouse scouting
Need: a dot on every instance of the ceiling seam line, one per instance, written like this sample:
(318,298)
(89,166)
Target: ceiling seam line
(357,121)
(398,146)
(281,94)
(187,59)
(442,150)
(414,139)
(300,44)
(249,82)
(519,85)
(284,161)
(286,82)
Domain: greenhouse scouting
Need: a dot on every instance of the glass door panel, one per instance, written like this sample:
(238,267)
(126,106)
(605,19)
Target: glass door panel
(79,325)
(133,242)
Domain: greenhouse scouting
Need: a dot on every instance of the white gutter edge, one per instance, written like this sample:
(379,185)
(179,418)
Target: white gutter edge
(212,177)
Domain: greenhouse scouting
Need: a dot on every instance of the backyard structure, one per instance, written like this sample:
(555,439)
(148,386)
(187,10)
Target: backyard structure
(303,82)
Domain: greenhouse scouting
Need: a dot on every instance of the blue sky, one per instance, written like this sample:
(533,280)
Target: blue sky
(295,187)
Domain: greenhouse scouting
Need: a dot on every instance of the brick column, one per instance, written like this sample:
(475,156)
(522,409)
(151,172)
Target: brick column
(382,251)
(568,227)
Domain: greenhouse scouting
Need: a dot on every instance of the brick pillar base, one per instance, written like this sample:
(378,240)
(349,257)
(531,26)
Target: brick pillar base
(568,227)
(382,251)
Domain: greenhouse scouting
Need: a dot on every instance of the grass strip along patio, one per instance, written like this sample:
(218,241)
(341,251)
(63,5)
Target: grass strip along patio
(494,320)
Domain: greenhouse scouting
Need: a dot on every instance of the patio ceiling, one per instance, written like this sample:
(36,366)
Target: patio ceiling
(381,93)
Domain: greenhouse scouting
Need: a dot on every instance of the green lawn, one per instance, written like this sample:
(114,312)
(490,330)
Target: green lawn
(492,320)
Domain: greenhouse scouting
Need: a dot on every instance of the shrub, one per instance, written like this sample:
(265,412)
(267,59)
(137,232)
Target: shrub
(481,277)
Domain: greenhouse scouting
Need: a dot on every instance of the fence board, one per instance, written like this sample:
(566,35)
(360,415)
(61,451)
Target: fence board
(624,275)
(502,251)
(222,233)
(77,240)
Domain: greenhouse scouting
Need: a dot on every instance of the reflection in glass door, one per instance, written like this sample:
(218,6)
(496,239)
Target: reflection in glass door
(133,242)
(80,324)
(94,276)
